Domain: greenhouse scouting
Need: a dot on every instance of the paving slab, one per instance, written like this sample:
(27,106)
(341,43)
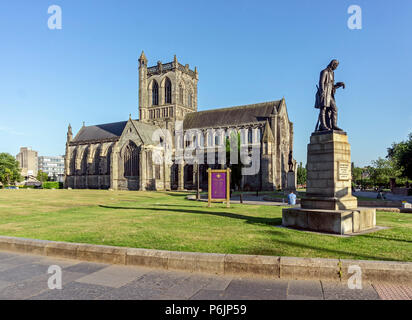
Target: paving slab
(243,289)
(188,287)
(310,289)
(73,291)
(5,255)
(341,291)
(159,280)
(4,284)
(35,286)
(61,262)
(23,272)
(18,259)
(114,276)
(150,286)
(205,294)
(86,267)
(389,291)
(218,284)
(298,297)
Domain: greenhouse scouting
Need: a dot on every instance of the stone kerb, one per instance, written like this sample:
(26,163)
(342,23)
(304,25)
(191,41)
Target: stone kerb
(223,264)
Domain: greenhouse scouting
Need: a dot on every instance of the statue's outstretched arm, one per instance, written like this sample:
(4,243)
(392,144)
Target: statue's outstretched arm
(340,84)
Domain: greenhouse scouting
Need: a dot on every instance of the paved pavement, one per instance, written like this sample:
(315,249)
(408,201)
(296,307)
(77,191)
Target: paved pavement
(246,199)
(259,200)
(26,277)
(388,196)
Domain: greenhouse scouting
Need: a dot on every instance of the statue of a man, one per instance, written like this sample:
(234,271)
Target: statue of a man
(290,161)
(325,98)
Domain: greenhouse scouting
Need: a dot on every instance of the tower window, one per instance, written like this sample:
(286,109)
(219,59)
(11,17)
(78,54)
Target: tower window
(155,94)
(168,91)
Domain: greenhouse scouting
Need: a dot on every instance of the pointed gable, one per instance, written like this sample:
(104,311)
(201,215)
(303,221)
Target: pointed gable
(267,133)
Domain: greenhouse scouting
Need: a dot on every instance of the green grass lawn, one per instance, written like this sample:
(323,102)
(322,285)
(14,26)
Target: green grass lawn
(167,221)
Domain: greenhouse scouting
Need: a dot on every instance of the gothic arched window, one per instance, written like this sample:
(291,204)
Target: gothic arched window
(155,94)
(83,167)
(250,136)
(131,160)
(168,91)
(73,162)
(97,160)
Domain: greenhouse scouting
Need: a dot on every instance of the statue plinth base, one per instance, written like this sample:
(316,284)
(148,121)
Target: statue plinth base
(329,205)
(291,181)
(330,221)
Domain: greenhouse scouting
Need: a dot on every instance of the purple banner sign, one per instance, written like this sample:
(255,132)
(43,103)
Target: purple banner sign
(218,185)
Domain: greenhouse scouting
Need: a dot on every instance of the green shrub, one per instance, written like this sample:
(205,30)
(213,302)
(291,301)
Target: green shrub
(52,185)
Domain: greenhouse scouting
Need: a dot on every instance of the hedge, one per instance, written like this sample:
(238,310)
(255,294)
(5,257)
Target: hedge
(52,185)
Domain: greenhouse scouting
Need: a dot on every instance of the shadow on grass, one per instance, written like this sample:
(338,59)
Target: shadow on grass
(384,238)
(248,219)
(337,253)
(179,193)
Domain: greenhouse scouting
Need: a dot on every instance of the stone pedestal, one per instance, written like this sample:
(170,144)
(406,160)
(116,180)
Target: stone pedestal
(330,221)
(328,183)
(329,205)
(291,179)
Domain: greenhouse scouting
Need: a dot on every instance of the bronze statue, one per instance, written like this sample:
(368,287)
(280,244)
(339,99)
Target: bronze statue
(325,98)
(290,161)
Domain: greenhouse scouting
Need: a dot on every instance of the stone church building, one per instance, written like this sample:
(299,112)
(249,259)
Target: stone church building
(121,155)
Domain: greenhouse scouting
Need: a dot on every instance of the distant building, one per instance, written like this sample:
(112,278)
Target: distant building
(28,161)
(53,166)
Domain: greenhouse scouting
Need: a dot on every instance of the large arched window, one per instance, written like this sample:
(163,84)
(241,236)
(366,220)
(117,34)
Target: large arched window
(83,167)
(73,162)
(155,94)
(168,91)
(97,160)
(131,160)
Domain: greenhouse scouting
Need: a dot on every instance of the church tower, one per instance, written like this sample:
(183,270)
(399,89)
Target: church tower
(167,92)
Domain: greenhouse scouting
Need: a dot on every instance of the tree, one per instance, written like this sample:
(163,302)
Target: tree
(42,176)
(9,169)
(301,174)
(401,155)
(236,169)
(356,174)
(381,171)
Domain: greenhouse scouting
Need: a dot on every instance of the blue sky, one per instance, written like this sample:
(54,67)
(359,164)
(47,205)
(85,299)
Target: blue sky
(245,51)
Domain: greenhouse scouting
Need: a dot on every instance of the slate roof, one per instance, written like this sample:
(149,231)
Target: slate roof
(145,131)
(107,131)
(231,116)
(112,132)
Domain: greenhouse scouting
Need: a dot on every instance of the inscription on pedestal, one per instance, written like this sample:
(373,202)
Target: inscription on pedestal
(344,173)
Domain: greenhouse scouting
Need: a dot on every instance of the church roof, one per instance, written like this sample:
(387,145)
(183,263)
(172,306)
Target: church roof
(233,116)
(112,132)
(145,131)
(107,131)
